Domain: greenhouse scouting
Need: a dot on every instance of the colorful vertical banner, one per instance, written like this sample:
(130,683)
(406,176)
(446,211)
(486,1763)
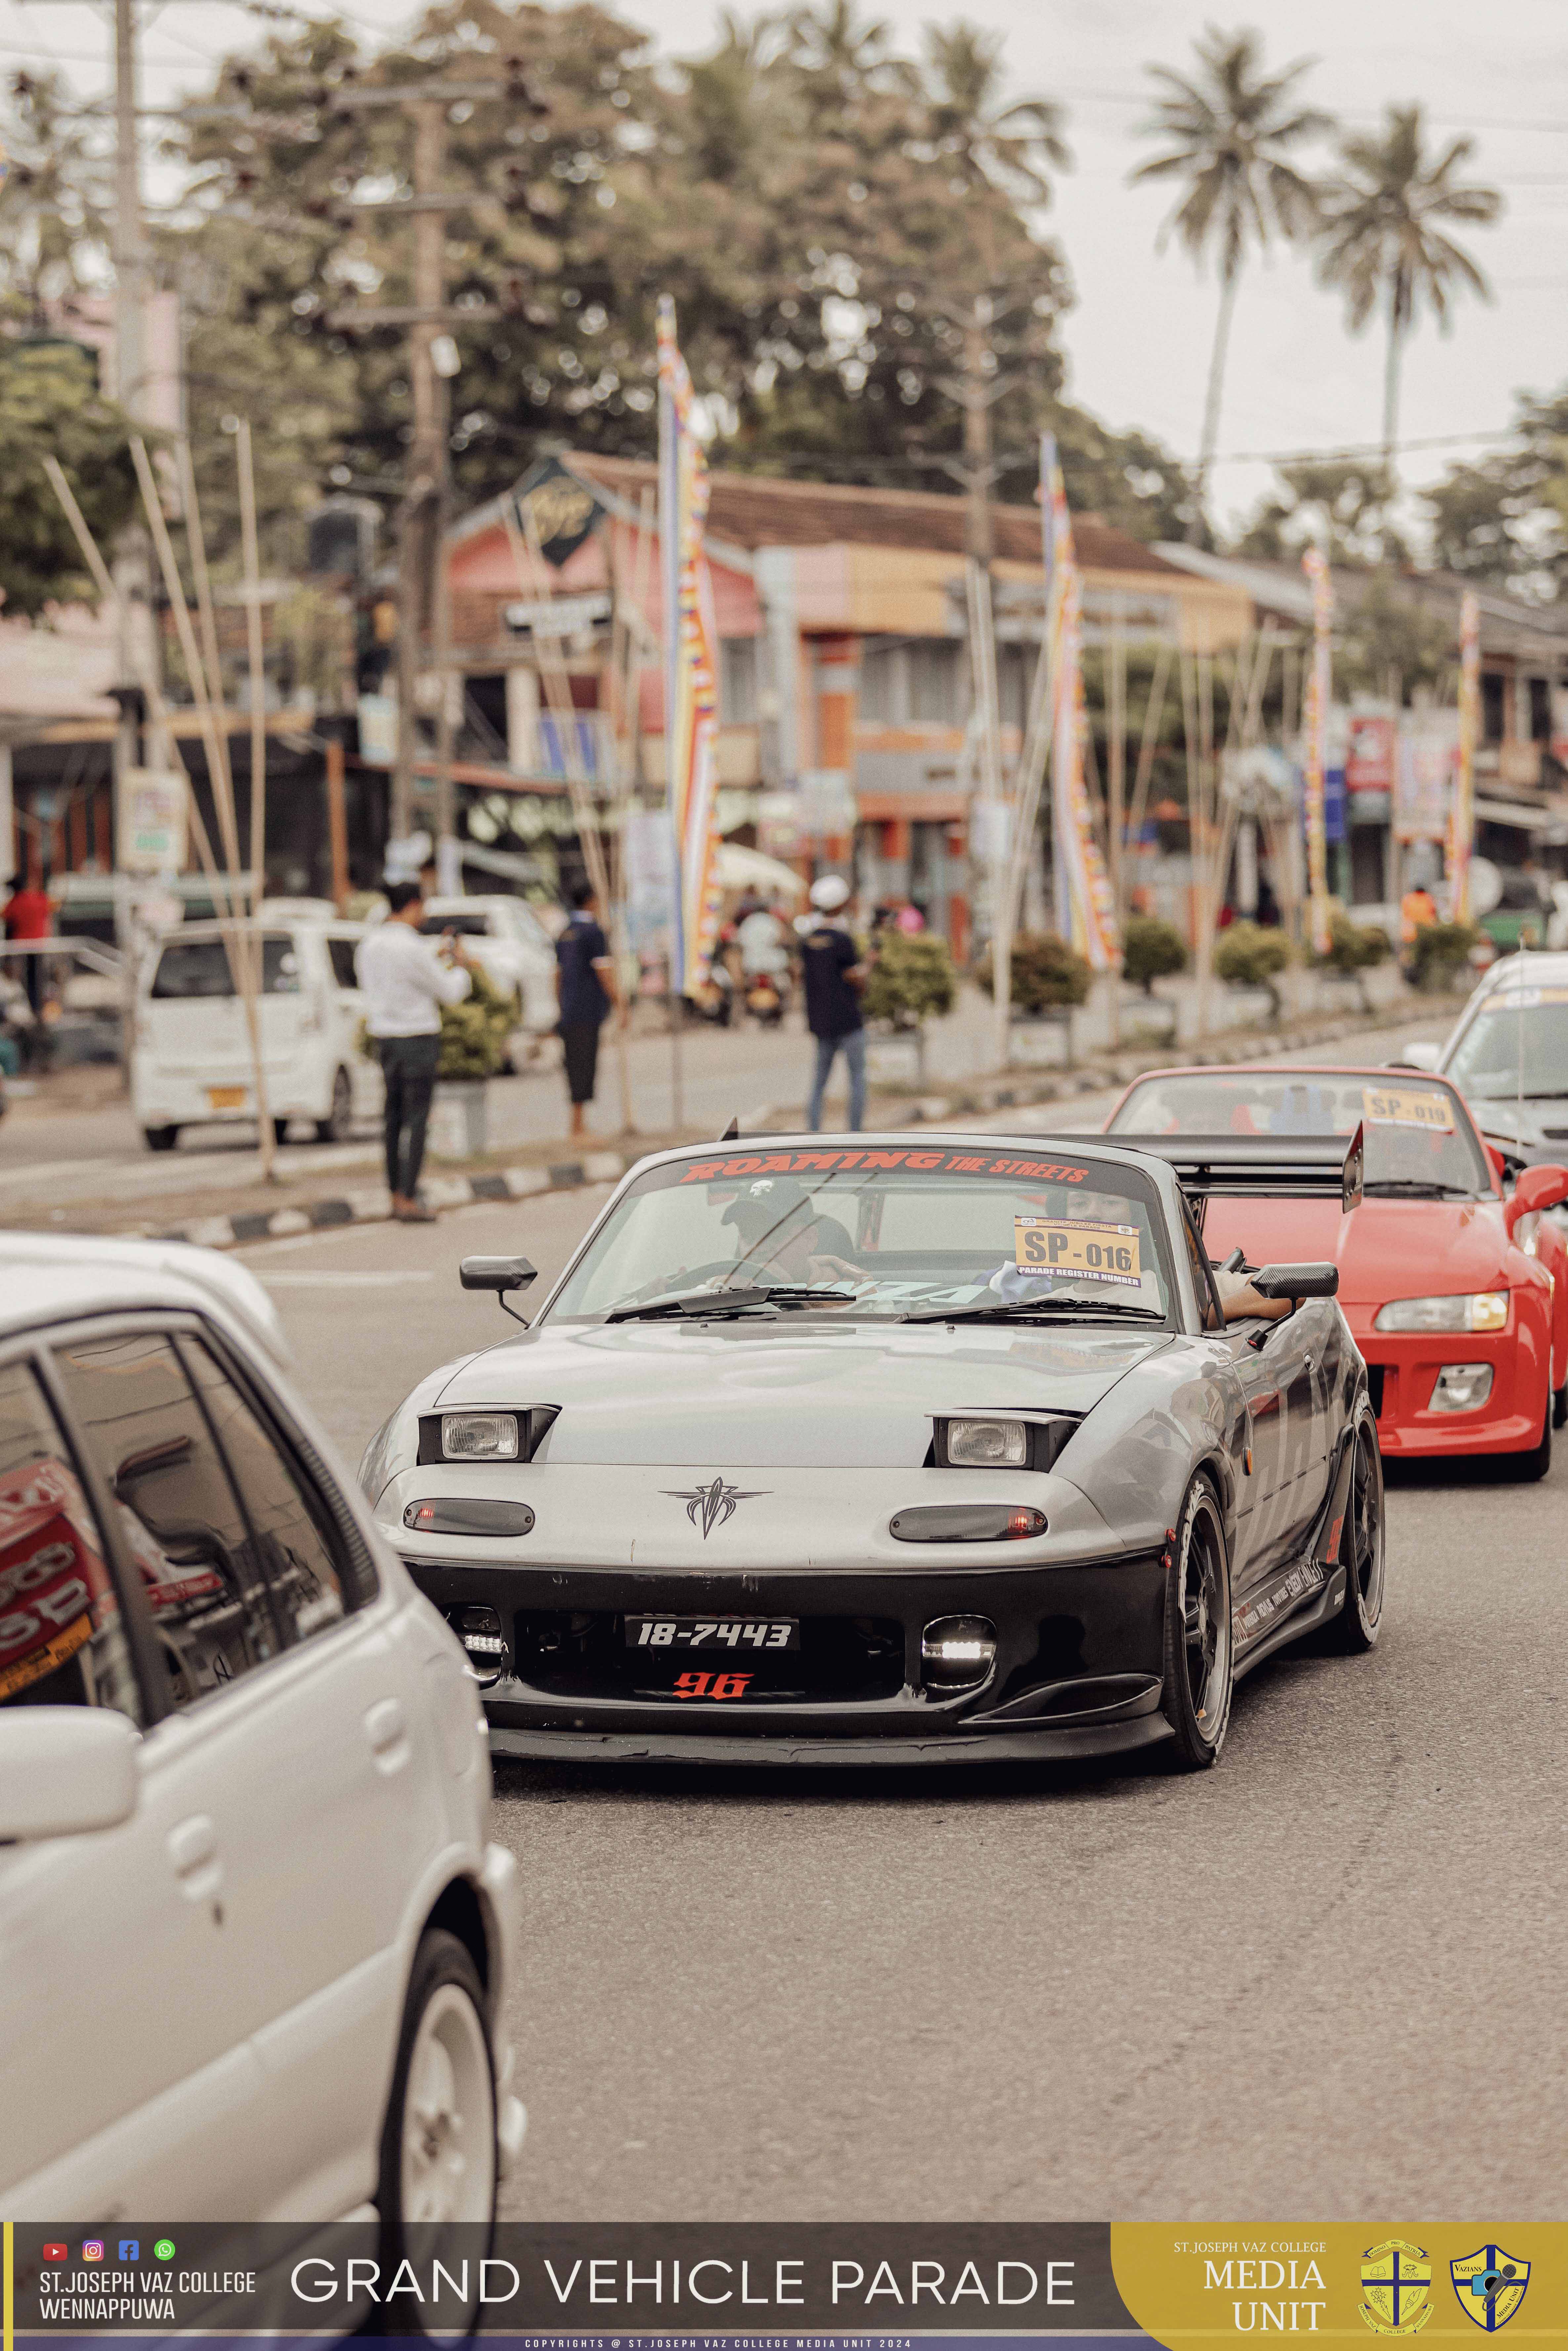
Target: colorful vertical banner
(1320,689)
(691,641)
(1462,808)
(1086,906)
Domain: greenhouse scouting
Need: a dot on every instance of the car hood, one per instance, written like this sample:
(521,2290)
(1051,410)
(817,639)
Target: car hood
(1540,1120)
(765,1394)
(1383,1248)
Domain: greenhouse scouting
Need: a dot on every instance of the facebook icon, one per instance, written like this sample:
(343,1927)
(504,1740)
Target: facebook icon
(131,2249)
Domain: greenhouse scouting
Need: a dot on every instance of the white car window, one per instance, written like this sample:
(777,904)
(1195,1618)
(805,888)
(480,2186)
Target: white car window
(205,1588)
(293,1529)
(62,1641)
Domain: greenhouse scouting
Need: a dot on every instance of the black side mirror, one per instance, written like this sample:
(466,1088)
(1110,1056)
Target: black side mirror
(501,1274)
(1297,1281)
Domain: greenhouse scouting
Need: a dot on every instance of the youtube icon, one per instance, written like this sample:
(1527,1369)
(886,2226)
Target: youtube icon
(56,2253)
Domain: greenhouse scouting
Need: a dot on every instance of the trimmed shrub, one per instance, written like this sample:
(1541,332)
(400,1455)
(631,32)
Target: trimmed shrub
(1248,955)
(1440,953)
(473,1033)
(1151,950)
(911,981)
(1047,976)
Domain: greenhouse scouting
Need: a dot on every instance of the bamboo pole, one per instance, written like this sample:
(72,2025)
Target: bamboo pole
(1149,740)
(256,657)
(156,704)
(241,948)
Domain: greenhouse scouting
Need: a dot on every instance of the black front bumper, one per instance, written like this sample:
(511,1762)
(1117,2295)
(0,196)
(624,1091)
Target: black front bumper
(1079,1659)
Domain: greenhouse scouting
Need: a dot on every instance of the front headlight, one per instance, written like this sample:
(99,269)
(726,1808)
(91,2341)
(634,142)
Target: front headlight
(1482,1310)
(480,1435)
(988,1444)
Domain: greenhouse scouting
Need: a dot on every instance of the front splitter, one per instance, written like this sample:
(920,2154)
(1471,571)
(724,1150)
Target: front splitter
(509,1744)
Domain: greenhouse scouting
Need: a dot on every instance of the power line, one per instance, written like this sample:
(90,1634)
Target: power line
(1359,449)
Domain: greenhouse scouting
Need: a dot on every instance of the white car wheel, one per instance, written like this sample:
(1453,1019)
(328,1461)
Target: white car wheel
(438,2150)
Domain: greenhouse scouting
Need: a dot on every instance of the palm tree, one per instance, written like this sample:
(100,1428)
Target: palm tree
(1383,241)
(1232,127)
(980,140)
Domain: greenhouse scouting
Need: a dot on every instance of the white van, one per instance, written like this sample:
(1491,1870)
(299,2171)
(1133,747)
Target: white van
(190,1062)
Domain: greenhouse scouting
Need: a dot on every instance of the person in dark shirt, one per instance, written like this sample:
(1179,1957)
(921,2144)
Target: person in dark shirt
(834,975)
(586,993)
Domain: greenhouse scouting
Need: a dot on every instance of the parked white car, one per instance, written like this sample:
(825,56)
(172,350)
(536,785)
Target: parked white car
(244,1796)
(191,1063)
(506,937)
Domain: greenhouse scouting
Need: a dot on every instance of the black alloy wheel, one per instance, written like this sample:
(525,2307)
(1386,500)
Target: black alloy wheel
(1362,1547)
(1198,1648)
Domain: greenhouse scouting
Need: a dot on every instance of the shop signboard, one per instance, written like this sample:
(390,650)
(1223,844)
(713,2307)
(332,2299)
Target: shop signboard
(1429,752)
(150,834)
(1371,742)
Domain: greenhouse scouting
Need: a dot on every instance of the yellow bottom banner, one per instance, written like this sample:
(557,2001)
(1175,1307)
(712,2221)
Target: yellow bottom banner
(1349,2282)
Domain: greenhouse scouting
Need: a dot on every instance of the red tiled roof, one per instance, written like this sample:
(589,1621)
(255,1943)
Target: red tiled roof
(759,510)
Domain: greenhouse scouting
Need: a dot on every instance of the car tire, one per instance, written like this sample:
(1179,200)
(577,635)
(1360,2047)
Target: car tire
(1560,1406)
(1536,1460)
(280,1132)
(159,1138)
(1354,1630)
(438,2153)
(1198,1652)
(335,1126)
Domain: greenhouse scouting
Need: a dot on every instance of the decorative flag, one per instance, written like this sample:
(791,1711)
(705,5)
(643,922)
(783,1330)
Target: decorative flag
(1319,686)
(691,638)
(1462,808)
(1085,905)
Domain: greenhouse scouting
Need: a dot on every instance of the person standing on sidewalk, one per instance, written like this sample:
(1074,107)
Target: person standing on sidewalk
(29,915)
(406,984)
(834,975)
(586,991)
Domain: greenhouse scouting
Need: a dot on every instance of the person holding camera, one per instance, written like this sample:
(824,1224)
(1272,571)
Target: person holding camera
(406,984)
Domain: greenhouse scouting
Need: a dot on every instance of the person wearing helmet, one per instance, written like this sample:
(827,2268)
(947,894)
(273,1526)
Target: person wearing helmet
(835,974)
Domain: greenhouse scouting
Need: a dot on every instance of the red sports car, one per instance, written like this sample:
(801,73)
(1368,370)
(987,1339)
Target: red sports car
(1456,1295)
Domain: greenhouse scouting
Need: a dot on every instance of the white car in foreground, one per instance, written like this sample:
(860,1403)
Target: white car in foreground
(256,1946)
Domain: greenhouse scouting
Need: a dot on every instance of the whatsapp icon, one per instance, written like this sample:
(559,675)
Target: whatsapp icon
(164,2251)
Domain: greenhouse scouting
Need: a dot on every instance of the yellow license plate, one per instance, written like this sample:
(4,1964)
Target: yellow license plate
(226,1097)
(1405,1106)
(1089,1252)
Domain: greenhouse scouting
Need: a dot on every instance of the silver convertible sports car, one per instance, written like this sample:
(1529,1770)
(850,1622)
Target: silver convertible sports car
(888,1449)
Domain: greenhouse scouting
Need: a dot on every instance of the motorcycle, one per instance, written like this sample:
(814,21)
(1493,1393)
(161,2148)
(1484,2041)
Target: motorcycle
(767,998)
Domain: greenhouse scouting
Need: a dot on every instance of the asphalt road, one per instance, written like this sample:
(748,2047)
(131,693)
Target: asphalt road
(1323,1982)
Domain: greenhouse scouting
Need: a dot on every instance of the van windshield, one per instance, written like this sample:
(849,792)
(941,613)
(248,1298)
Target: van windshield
(190,968)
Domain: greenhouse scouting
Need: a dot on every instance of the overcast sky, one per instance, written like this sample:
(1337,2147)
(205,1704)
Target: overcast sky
(1137,342)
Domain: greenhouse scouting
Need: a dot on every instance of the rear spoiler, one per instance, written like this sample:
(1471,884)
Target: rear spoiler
(1270,1166)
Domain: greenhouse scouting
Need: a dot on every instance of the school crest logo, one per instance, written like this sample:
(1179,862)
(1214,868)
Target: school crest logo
(1490,2284)
(1396,2288)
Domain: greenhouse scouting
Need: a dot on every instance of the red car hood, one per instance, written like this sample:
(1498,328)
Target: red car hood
(1385,1249)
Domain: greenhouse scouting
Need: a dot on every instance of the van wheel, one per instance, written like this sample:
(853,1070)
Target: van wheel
(438,2158)
(159,1138)
(334,1127)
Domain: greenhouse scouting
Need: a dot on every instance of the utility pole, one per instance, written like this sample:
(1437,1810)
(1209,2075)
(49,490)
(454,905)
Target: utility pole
(136,663)
(423,517)
(979,469)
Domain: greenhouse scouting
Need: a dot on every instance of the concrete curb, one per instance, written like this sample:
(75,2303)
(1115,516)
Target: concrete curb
(372,1204)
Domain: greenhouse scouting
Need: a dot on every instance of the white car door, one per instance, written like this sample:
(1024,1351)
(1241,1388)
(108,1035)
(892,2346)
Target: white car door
(364,1074)
(125,2078)
(289,1797)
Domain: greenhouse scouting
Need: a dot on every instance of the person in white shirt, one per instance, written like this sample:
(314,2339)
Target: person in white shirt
(405,983)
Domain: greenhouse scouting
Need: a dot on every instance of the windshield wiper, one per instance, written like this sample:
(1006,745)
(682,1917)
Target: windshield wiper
(1418,1187)
(988,1310)
(707,1304)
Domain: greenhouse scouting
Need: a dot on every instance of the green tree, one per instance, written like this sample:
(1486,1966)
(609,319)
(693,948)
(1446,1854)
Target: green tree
(50,406)
(1230,132)
(54,236)
(1342,506)
(1385,241)
(1505,518)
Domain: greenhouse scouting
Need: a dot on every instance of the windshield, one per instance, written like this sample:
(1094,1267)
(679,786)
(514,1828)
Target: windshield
(199,967)
(467,926)
(1417,1133)
(1516,1044)
(890,1230)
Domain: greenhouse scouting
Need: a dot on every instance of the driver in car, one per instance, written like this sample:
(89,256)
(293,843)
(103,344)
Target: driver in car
(782,1237)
